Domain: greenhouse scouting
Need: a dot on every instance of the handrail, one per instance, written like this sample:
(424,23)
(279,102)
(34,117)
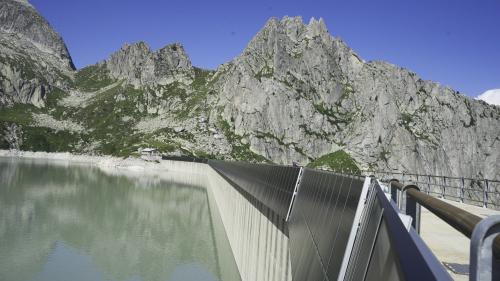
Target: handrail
(478,192)
(457,218)
(433,176)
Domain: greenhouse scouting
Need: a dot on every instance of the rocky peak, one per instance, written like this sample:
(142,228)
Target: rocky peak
(33,57)
(139,65)
(285,46)
(294,28)
(21,19)
(170,59)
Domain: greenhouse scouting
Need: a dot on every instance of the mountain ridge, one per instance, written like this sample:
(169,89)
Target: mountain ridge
(294,93)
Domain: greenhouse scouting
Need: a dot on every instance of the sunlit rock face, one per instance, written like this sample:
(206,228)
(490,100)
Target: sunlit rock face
(139,65)
(33,57)
(294,93)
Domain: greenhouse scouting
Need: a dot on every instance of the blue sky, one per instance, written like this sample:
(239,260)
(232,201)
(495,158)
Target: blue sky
(456,43)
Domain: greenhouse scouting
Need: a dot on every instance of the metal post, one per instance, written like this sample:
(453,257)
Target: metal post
(443,188)
(486,189)
(428,184)
(394,191)
(412,208)
(462,191)
(483,264)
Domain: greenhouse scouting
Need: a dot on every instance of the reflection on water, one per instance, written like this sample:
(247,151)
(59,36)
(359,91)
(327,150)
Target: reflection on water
(60,222)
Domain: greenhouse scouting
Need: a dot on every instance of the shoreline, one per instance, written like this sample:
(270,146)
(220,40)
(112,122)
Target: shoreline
(102,161)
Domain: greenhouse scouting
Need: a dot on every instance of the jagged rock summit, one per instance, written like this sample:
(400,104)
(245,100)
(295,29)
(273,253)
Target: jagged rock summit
(138,65)
(295,93)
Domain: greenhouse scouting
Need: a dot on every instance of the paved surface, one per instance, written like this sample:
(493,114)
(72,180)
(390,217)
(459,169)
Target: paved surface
(446,243)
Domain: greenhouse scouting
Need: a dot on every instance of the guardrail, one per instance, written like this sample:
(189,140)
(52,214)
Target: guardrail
(343,228)
(479,192)
(485,257)
(340,227)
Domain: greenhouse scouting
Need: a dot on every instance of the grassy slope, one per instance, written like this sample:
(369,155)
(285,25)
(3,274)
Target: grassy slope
(337,161)
(110,117)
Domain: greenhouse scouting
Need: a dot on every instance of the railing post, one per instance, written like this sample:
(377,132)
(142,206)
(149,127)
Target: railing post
(483,264)
(394,191)
(412,208)
(486,189)
(443,189)
(462,191)
(428,184)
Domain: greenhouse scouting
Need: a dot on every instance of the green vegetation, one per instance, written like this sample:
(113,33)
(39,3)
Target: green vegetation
(334,114)
(93,78)
(409,120)
(266,72)
(25,65)
(267,135)
(240,150)
(303,90)
(194,102)
(52,104)
(201,77)
(37,138)
(309,132)
(337,161)
(46,139)
(54,96)
(384,155)
(406,120)
(280,141)
(18,113)
(112,119)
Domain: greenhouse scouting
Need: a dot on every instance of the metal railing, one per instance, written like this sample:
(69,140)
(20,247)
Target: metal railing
(339,227)
(478,192)
(410,197)
(333,213)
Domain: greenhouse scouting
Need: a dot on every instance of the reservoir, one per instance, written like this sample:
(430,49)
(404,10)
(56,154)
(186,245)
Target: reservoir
(62,221)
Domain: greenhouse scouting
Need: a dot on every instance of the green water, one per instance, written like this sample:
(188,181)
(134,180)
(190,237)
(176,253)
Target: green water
(76,222)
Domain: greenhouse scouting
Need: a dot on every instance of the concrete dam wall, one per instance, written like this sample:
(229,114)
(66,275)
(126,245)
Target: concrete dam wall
(287,223)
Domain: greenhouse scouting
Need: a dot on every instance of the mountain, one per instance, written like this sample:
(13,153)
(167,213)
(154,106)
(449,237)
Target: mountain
(295,93)
(33,57)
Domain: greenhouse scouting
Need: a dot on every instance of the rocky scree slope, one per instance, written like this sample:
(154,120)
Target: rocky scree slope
(295,93)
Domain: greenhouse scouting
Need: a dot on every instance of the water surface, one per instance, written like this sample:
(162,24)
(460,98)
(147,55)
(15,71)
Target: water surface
(61,221)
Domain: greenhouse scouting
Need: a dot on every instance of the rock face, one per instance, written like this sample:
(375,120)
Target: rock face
(33,57)
(298,93)
(295,93)
(138,65)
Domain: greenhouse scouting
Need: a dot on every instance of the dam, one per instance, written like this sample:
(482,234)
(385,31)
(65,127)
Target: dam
(211,220)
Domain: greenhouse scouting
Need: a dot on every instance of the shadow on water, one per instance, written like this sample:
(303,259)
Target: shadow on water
(59,220)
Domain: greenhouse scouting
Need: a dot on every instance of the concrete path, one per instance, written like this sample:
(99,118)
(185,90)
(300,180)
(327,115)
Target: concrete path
(446,243)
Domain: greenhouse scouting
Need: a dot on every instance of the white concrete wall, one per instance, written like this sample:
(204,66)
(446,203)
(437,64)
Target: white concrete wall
(259,247)
(186,167)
